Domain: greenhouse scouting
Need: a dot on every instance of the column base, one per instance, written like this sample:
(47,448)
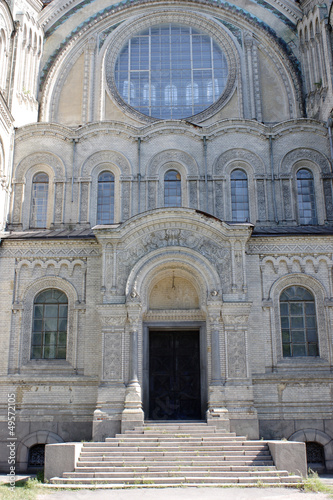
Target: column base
(132,415)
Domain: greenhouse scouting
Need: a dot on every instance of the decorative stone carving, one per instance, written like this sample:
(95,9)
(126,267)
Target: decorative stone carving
(112,355)
(239,154)
(173,155)
(304,154)
(39,159)
(175,315)
(84,201)
(106,157)
(214,252)
(237,355)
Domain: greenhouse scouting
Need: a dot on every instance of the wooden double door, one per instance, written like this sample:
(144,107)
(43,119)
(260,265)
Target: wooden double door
(174,375)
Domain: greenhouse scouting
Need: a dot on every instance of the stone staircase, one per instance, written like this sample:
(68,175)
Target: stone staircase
(175,454)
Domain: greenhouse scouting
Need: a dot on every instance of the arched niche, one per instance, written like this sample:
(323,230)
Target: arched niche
(173,290)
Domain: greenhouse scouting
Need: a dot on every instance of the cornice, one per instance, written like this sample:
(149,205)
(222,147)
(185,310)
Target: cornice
(163,127)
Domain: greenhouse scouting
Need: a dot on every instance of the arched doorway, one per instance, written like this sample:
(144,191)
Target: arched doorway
(175,381)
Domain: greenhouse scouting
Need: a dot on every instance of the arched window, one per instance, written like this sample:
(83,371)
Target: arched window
(239,196)
(306,197)
(172,189)
(39,199)
(49,332)
(298,322)
(170,95)
(105,198)
(192,94)
(146,98)
(213,90)
(128,91)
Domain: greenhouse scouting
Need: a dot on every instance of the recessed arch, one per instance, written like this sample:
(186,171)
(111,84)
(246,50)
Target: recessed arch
(319,293)
(38,437)
(205,276)
(28,297)
(317,436)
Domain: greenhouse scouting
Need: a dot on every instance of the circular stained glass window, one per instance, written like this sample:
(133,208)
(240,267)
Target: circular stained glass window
(170,71)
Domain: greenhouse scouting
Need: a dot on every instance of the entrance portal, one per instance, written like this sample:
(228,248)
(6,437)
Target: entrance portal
(174,375)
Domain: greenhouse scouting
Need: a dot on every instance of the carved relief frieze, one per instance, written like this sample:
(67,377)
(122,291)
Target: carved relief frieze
(112,317)
(236,314)
(288,248)
(218,255)
(175,315)
(35,250)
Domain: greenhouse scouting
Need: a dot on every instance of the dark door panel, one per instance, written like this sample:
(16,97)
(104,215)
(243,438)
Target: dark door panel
(174,375)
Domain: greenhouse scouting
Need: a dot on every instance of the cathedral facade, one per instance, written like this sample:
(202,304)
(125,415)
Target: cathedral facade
(166,218)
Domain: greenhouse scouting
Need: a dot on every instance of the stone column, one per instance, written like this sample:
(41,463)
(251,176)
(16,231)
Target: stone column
(132,415)
(217,414)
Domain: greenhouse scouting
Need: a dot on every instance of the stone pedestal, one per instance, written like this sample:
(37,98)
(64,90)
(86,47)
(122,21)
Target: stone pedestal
(132,415)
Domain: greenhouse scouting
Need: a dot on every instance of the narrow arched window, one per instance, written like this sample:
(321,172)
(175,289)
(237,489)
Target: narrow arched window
(49,331)
(298,322)
(239,196)
(172,189)
(149,94)
(192,94)
(128,91)
(306,197)
(170,95)
(213,90)
(105,198)
(39,199)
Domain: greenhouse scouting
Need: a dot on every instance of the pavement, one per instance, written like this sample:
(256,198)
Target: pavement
(188,493)
(183,493)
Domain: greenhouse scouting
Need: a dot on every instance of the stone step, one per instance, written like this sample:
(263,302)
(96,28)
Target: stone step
(172,466)
(123,486)
(176,452)
(173,454)
(173,473)
(173,481)
(175,444)
(170,438)
(172,449)
(166,461)
(197,434)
